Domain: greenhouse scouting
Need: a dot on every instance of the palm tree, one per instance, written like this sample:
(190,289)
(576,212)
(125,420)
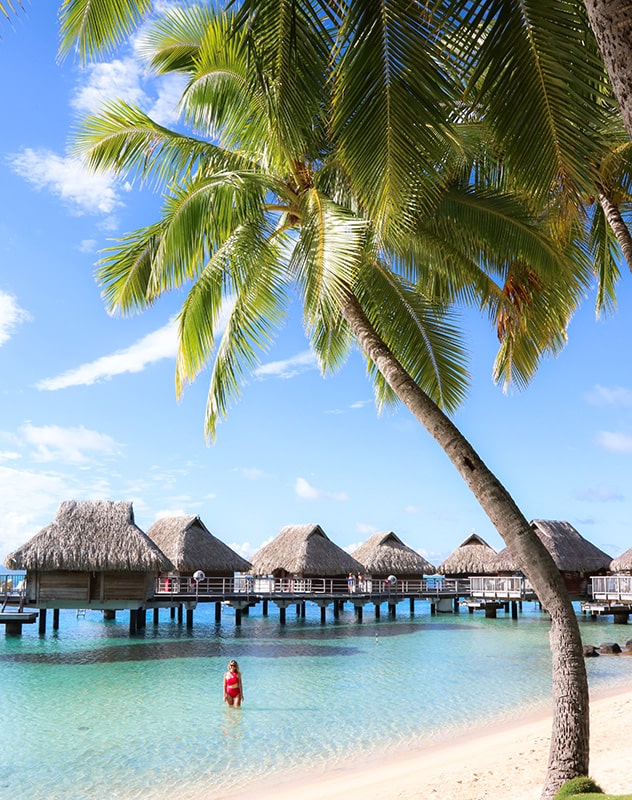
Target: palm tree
(611,22)
(295,178)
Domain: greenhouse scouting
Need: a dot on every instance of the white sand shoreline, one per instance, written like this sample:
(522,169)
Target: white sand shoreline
(504,761)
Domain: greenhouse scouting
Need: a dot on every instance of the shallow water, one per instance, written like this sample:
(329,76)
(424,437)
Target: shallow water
(89,713)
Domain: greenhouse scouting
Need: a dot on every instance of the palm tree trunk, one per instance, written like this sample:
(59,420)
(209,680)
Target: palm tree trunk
(568,755)
(611,22)
(620,229)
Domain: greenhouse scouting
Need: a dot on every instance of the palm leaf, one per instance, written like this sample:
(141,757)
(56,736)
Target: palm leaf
(92,27)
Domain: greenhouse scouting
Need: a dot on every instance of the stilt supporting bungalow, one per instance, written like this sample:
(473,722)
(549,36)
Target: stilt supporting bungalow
(218,612)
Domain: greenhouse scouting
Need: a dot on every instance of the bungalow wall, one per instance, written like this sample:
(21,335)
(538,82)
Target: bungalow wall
(72,589)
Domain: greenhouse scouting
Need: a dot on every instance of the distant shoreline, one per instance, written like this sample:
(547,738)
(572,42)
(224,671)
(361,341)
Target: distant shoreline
(503,761)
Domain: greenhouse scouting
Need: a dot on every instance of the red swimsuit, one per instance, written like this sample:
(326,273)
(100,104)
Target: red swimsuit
(232,684)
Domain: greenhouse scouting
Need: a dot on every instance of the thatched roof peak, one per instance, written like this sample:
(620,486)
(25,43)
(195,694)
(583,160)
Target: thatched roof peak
(384,554)
(568,548)
(190,546)
(306,551)
(471,557)
(622,563)
(92,536)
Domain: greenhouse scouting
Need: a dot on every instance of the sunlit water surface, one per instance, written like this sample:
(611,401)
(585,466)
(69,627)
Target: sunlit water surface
(89,713)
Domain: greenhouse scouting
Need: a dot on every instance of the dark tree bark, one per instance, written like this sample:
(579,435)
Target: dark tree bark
(616,222)
(611,22)
(568,755)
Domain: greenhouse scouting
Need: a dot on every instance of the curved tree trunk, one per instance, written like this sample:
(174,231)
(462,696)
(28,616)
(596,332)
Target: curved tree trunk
(616,222)
(611,22)
(568,756)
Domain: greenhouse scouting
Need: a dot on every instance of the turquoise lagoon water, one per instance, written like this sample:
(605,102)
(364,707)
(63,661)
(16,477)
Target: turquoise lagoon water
(88,713)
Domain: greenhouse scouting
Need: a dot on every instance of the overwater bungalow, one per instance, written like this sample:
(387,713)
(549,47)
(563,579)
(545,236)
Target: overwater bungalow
(191,547)
(471,557)
(622,565)
(303,551)
(92,556)
(575,557)
(385,554)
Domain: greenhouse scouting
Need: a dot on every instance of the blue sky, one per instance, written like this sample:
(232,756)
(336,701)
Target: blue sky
(87,401)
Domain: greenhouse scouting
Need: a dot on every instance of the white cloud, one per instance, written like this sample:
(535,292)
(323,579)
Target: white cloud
(69,179)
(68,445)
(11,315)
(613,396)
(28,500)
(107,81)
(87,246)
(366,529)
(165,513)
(252,473)
(9,455)
(360,404)
(600,494)
(164,110)
(307,492)
(154,347)
(289,367)
(244,549)
(615,442)
(413,509)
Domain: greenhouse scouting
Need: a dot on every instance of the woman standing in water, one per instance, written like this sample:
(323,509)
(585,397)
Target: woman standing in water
(233,690)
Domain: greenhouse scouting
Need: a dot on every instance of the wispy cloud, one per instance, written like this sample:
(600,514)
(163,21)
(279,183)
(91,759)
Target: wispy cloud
(307,492)
(103,82)
(68,445)
(25,498)
(67,178)
(615,442)
(87,246)
(600,494)
(355,406)
(125,79)
(289,367)
(154,347)
(11,315)
(610,396)
(252,473)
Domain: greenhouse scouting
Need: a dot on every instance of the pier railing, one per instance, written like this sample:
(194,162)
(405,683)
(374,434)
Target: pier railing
(269,586)
(12,590)
(498,587)
(612,588)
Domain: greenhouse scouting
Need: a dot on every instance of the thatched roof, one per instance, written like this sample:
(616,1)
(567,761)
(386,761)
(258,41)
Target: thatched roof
(570,551)
(90,536)
(305,551)
(622,563)
(385,554)
(471,557)
(190,546)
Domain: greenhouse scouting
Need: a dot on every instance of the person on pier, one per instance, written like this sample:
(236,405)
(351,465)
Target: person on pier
(233,689)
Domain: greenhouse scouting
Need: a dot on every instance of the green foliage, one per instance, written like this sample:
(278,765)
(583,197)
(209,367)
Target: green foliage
(578,786)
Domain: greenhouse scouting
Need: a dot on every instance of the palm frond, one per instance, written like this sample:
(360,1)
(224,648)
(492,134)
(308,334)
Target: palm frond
(125,270)
(93,27)
(421,335)
(257,311)
(326,255)
(390,100)
(289,49)
(604,248)
(124,139)
(536,74)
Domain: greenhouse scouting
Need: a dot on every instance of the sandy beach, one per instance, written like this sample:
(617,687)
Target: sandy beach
(503,762)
